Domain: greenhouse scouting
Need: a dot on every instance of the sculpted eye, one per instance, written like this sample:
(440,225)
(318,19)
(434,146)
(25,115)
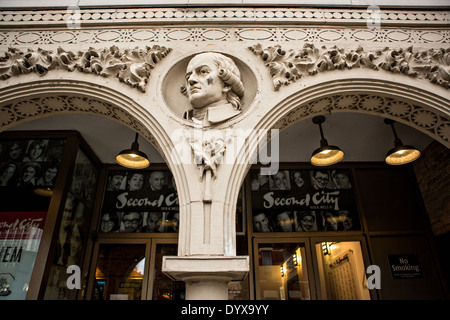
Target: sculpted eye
(204,71)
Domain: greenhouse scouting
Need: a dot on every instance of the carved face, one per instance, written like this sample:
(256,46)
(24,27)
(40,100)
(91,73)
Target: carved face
(203,83)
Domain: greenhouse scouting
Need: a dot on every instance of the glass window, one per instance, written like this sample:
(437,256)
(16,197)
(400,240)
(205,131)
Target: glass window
(73,229)
(303,201)
(341,271)
(283,273)
(119,273)
(20,236)
(163,287)
(140,202)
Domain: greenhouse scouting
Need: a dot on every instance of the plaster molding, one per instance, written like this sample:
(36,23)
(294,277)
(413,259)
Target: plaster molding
(224,33)
(232,15)
(426,120)
(287,66)
(12,114)
(131,66)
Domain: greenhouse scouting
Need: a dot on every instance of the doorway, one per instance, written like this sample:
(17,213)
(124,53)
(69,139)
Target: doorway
(283,269)
(309,269)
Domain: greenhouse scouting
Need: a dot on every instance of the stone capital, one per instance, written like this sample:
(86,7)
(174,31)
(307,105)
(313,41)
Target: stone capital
(206,277)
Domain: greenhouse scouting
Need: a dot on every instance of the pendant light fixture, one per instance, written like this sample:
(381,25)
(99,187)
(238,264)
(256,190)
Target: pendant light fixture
(133,158)
(400,154)
(325,155)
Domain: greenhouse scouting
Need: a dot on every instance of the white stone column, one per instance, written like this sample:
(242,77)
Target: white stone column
(207,260)
(204,264)
(206,277)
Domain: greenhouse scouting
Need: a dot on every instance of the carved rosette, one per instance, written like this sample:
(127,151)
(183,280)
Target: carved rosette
(132,67)
(287,66)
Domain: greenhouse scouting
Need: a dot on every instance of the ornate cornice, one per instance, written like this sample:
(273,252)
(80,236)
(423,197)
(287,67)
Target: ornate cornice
(287,66)
(132,66)
(239,15)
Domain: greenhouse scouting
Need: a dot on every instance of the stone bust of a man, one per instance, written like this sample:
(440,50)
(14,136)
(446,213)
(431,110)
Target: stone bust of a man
(214,88)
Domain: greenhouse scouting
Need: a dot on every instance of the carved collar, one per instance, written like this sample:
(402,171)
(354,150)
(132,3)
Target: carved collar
(214,114)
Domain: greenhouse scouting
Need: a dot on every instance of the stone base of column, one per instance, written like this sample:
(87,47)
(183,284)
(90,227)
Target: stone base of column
(206,278)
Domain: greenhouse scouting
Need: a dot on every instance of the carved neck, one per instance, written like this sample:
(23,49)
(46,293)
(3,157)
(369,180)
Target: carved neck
(200,113)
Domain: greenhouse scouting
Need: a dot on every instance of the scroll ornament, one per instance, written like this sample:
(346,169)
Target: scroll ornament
(130,66)
(286,66)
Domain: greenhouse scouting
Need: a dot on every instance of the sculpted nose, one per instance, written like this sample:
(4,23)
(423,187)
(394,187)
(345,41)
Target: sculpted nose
(192,80)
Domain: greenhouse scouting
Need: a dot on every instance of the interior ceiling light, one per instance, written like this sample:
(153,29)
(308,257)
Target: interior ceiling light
(400,154)
(133,158)
(325,155)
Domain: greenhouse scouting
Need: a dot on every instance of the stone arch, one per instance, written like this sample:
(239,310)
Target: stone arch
(38,99)
(417,108)
(423,110)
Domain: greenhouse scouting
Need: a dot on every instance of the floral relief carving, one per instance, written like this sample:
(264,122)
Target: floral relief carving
(132,66)
(287,66)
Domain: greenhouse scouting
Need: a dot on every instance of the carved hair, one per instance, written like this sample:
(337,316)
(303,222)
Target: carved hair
(230,76)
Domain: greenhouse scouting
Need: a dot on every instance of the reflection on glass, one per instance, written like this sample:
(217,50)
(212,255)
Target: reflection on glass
(341,271)
(283,272)
(163,287)
(238,290)
(120,272)
(73,229)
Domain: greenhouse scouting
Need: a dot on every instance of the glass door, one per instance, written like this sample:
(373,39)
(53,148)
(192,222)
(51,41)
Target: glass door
(161,286)
(283,269)
(119,270)
(340,269)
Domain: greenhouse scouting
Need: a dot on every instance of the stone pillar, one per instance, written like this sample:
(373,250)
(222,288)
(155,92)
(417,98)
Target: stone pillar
(206,277)
(207,260)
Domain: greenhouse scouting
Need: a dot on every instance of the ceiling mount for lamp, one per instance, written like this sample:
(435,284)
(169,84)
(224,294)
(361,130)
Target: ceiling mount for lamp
(400,154)
(133,158)
(325,155)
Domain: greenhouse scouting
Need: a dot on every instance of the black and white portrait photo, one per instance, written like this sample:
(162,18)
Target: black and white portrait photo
(140,201)
(303,200)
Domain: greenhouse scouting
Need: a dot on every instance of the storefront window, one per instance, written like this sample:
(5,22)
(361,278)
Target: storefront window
(26,167)
(140,202)
(120,272)
(73,229)
(303,201)
(163,287)
(20,236)
(283,272)
(341,271)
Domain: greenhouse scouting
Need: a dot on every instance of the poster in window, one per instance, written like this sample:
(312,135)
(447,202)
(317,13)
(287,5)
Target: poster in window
(140,201)
(20,236)
(303,201)
(30,162)
(73,230)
